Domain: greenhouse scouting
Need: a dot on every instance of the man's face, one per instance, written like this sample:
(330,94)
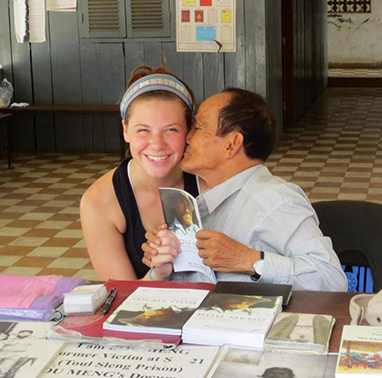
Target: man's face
(204,152)
(242,305)
(184,213)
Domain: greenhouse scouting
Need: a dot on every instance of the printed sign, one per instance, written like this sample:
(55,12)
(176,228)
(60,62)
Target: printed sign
(206,25)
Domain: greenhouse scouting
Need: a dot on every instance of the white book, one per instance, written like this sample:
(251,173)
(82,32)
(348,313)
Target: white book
(155,310)
(181,214)
(360,353)
(24,349)
(241,320)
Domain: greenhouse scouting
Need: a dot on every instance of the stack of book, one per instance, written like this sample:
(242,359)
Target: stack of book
(153,310)
(241,320)
(85,299)
(300,333)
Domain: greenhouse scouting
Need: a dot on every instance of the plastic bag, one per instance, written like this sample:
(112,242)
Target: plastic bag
(6,93)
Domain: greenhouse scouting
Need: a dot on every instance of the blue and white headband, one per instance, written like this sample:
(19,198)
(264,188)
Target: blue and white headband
(156,82)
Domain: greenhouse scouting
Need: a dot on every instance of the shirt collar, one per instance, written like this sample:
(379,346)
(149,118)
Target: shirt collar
(215,196)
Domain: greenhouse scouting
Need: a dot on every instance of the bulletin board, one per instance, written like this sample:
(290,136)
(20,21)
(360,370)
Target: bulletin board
(206,25)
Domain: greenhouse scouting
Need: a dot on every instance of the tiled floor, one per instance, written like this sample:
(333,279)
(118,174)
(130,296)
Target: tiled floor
(335,152)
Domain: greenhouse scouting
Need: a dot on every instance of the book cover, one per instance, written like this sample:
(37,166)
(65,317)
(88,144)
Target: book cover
(24,350)
(181,214)
(155,310)
(248,288)
(249,362)
(79,328)
(300,333)
(241,320)
(360,353)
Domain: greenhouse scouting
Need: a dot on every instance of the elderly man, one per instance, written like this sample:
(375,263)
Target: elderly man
(256,227)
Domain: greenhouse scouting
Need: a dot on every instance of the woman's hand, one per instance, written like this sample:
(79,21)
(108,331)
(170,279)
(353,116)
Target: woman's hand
(160,250)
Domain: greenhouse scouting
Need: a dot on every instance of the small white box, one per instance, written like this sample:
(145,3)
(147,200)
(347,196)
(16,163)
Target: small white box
(86,299)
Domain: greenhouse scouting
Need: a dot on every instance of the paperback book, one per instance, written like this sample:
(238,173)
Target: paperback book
(24,350)
(181,214)
(300,333)
(360,353)
(241,320)
(155,310)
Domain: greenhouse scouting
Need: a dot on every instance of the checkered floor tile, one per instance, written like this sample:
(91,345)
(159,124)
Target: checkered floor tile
(334,152)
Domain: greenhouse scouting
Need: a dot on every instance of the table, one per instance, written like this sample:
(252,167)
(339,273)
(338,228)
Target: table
(324,303)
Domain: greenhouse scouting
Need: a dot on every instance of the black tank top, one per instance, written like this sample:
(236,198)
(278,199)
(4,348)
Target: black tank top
(134,236)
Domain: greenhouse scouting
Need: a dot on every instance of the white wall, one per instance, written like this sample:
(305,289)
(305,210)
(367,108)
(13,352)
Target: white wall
(356,37)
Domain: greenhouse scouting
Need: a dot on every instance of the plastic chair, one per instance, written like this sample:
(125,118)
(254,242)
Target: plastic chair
(355,228)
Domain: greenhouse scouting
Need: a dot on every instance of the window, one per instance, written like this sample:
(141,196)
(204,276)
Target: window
(128,19)
(349,6)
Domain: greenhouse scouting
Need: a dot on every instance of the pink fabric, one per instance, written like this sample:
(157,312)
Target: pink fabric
(21,291)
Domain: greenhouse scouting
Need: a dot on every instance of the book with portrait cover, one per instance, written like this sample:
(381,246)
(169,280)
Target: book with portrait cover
(24,349)
(242,320)
(155,310)
(360,353)
(300,333)
(181,214)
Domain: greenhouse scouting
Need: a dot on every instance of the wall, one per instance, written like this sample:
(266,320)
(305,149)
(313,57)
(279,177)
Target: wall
(65,70)
(356,37)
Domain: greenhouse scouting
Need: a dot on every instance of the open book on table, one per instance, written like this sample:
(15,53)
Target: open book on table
(181,214)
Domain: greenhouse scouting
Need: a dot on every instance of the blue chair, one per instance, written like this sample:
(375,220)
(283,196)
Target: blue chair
(355,228)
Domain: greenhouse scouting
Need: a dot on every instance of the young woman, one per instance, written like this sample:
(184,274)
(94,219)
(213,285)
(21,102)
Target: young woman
(157,111)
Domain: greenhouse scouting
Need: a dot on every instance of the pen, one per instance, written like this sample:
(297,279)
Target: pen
(109,300)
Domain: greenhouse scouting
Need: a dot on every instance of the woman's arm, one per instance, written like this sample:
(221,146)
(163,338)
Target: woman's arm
(103,225)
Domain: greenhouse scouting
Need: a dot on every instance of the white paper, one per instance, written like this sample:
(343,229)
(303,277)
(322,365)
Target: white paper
(36,21)
(91,360)
(61,5)
(20,17)
(24,351)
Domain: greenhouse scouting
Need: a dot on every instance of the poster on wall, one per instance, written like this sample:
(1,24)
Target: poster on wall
(206,25)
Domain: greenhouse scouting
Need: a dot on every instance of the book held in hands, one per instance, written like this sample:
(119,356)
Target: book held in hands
(181,214)
(155,310)
(241,320)
(300,333)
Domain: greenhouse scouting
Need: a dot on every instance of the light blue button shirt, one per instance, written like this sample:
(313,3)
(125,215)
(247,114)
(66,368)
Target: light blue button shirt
(266,213)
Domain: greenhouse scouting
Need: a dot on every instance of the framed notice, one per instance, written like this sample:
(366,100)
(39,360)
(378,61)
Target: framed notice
(206,25)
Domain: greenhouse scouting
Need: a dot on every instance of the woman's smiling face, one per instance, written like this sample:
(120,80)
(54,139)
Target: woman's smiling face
(156,130)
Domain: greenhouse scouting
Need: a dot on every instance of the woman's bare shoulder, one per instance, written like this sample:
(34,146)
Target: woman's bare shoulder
(101,193)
